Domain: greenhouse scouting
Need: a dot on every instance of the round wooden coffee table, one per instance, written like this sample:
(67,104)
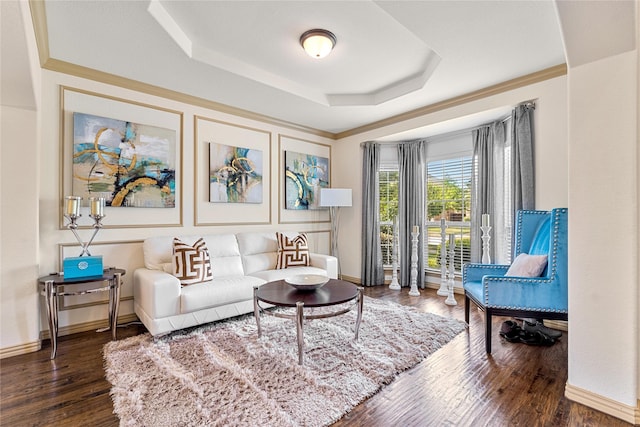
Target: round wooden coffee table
(281,294)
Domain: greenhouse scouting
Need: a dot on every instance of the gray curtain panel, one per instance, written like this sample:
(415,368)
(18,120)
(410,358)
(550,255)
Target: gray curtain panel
(411,206)
(488,182)
(522,178)
(372,271)
(487,196)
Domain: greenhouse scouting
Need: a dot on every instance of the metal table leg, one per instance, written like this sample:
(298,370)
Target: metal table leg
(114,304)
(359,316)
(256,310)
(299,324)
(52,311)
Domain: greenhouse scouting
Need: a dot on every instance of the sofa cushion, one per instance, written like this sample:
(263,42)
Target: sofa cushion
(191,262)
(259,250)
(258,243)
(220,291)
(292,252)
(223,252)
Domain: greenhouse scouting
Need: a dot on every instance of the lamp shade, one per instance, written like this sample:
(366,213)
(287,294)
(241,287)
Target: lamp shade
(335,197)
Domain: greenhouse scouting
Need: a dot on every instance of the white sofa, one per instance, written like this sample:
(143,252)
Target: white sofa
(238,262)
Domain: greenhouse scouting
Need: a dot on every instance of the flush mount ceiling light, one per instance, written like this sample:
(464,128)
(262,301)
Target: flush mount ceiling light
(317,42)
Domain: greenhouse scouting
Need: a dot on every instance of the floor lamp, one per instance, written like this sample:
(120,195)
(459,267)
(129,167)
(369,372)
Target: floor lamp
(334,198)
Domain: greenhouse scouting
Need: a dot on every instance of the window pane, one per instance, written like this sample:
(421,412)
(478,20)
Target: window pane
(449,198)
(388,211)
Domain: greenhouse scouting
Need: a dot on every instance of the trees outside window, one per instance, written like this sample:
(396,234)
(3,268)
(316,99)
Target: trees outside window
(448,197)
(388,181)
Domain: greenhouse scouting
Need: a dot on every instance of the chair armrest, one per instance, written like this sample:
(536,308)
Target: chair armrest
(475,272)
(157,292)
(326,262)
(526,293)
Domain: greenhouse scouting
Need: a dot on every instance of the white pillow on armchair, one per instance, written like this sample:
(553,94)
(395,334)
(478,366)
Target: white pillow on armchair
(526,265)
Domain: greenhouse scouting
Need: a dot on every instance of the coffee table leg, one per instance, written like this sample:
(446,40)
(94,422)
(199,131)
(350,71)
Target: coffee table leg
(256,310)
(299,321)
(359,317)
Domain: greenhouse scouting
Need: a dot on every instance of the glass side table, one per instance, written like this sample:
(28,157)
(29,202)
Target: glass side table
(53,286)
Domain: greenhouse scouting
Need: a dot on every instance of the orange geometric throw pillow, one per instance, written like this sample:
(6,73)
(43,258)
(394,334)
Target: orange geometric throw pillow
(292,252)
(191,263)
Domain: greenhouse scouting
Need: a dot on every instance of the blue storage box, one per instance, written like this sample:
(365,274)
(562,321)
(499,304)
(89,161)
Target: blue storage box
(82,266)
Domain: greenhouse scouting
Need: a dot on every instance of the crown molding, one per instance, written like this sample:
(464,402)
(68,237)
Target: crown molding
(38,14)
(538,76)
(114,80)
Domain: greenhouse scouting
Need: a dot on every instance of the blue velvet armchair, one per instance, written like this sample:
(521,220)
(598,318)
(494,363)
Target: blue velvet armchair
(543,297)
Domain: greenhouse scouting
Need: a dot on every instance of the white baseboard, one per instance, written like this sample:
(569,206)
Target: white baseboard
(16,350)
(630,414)
(561,325)
(354,280)
(88,326)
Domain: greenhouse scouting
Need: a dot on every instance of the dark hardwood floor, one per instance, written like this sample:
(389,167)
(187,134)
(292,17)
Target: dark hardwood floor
(459,385)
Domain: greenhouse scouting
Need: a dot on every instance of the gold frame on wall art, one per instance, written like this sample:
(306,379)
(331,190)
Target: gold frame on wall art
(73,100)
(207,131)
(290,143)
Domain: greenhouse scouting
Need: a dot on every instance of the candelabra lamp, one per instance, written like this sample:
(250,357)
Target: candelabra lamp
(452,270)
(443,291)
(395,285)
(334,198)
(414,262)
(84,265)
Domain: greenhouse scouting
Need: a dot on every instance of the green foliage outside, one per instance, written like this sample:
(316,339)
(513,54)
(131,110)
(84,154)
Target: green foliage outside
(443,196)
(445,199)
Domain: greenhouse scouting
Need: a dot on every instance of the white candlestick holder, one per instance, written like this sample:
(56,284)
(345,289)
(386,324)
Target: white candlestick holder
(414,264)
(452,270)
(395,285)
(443,292)
(486,239)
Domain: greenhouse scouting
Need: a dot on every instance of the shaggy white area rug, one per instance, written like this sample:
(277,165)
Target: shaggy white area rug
(222,374)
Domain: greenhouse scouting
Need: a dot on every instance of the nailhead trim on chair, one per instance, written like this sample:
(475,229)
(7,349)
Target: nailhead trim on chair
(520,215)
(494,310)
(552,273)
(487,266)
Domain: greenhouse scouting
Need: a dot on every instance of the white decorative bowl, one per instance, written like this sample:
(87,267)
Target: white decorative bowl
(307,282)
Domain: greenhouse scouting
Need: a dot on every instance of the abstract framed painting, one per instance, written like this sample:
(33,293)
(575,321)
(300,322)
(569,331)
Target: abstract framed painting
(235,174)
(305,175)
(129,164)
(232,173)
(126,151)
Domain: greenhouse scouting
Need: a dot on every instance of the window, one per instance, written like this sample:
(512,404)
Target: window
(449,198)
(388,181)
(449,171)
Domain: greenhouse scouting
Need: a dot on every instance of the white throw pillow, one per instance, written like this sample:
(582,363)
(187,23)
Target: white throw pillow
(526,265)
(191,263)
(292,252)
